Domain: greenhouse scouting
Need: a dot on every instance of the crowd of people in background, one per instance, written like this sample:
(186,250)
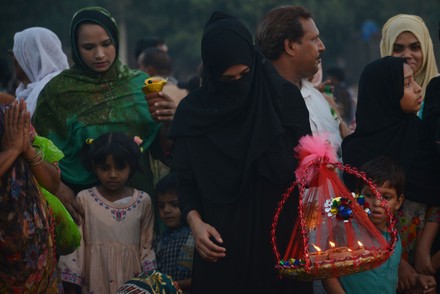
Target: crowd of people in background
(106,189)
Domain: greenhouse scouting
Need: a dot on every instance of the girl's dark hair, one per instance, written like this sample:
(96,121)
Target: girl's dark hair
(122,148)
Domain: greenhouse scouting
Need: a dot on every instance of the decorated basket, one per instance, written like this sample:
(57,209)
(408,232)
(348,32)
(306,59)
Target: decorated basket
(333,235)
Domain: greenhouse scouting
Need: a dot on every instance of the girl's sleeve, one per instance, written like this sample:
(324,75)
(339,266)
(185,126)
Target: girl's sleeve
(148,256)
(72,266)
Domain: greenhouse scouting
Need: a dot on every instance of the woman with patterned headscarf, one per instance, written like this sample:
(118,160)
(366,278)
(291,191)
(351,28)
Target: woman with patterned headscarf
(98,95)
(407,36)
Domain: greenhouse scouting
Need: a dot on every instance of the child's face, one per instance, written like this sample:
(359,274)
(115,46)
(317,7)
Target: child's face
(411,100)
(393,201)
(169,210)
(111,177)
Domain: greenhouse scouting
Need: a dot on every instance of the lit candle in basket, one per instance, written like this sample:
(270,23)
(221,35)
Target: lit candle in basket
(360,250)
(318,255)
(332,245)
(338,252)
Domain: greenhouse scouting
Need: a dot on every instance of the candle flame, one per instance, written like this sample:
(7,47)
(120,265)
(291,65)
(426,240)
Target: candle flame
(332,244)
(316,247)
(349,249)
(360,244)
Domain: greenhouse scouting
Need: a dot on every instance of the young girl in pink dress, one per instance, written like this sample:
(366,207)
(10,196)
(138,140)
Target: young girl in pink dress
(117,228)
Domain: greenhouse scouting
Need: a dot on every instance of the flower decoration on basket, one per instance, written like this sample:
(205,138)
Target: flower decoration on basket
(361,200)
(340,207)
(342,239)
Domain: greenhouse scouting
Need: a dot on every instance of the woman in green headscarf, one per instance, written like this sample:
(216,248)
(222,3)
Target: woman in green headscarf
(98,95)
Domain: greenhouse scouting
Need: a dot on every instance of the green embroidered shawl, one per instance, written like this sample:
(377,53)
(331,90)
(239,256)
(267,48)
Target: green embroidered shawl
(79,104)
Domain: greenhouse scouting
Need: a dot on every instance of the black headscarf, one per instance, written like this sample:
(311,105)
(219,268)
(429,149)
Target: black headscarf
(227,124)
(383,128)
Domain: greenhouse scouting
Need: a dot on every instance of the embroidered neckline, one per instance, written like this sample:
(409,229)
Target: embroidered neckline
(118,214)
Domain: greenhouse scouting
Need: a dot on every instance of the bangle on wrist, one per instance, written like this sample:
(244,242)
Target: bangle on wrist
(36,159)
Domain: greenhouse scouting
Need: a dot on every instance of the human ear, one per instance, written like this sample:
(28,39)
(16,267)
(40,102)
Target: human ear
(290,47)
(399,202)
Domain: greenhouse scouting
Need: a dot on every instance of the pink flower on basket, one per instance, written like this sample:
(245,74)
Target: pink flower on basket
(311,148)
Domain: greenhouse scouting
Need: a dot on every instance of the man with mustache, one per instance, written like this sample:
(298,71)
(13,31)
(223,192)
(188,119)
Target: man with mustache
(289,38)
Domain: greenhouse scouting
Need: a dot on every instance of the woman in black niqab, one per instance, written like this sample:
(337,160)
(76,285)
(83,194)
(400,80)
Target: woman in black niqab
(233,163)
(236,117)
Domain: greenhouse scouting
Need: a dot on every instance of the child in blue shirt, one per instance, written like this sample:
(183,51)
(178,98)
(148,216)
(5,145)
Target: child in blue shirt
(174,247)
(390,180)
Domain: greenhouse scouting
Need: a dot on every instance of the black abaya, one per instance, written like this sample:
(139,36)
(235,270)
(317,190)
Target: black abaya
(234,157)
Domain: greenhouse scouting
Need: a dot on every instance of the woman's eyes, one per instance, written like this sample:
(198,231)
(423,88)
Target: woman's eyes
(397,49)
(89,47)
(227,78)
(412,47)
(415,47)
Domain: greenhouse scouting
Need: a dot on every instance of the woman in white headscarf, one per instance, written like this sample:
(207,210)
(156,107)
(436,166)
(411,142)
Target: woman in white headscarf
(38,57)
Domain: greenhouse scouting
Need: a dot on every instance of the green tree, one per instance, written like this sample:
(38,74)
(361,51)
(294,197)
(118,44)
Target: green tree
(180,23)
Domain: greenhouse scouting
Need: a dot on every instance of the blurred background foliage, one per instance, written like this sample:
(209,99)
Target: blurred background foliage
(350,29)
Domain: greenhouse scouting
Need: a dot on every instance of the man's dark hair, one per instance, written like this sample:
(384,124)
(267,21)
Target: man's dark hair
(279,24)
(384,169)
(147,42)
(158,59)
